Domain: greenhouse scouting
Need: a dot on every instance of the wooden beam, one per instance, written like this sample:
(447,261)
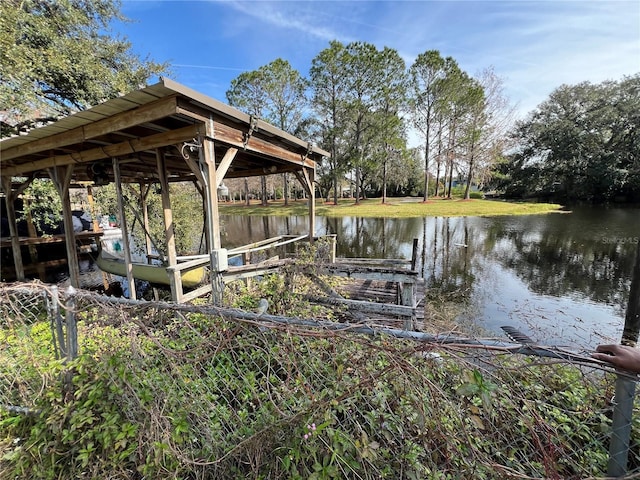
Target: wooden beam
(365,273)
(306,178)
(366,306)
(22,187)
(169,232)
(225,163)
(140,217)
(61,177)
(125,231)
(83,237)
(13,227)
(259,172)
(198,292)
(234,137)
(130,118)
(99,153)
(148,241)
(373,262)
(212,213)
(195,168)
(212,181)
(192,107)
(303,179)
(96,228)
(310,174)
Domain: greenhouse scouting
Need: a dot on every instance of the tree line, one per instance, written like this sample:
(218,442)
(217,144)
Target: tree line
(361,103)
(580,145)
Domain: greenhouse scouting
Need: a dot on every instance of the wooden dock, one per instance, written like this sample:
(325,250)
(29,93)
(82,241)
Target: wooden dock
(377,291)
(383,293)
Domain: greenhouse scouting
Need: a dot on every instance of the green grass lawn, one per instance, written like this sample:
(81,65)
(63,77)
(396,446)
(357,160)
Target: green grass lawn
(395,207)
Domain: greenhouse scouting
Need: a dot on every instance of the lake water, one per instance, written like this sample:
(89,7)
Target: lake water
(561,278)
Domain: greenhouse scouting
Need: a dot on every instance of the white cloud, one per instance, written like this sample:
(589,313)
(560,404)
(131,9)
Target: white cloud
(535,45)
(283,15)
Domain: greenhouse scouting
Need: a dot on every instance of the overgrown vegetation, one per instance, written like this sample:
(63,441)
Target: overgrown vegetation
(42,206)
(60,57)
(161,394)
(581,144)
(187,210)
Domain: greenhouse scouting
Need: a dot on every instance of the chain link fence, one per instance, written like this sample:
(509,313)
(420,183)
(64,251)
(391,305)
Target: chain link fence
(155,390)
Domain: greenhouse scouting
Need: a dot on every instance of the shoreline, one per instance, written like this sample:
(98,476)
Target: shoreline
(394,208)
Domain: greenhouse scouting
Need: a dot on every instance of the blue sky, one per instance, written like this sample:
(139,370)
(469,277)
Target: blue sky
(535,46)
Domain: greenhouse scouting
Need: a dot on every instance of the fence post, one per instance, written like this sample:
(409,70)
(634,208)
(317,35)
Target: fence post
(72,324)
(625,387)
(414,254)
(53,306)
(333,244)
(621,426)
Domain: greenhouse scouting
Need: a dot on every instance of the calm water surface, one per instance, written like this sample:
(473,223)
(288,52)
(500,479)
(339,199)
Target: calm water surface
(561,278)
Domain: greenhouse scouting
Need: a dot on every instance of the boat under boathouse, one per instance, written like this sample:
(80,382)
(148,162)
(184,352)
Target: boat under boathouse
(159,134)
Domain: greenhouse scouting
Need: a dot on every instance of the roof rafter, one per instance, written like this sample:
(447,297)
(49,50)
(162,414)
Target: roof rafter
(129,118)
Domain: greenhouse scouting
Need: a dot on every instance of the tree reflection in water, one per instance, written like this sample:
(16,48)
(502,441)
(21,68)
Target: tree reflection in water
(554,264)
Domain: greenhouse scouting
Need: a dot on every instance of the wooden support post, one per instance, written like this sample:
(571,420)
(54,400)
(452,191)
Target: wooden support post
(96,228)
(246,260)
(306,177)
(211,188)
(414,255)
(408,298)
(408,290)
(201,186)
(148,242)
(61,177)
(92,208)
(71,340)
(333,240)
(33,251)
(125,231)
(212,213)
(144,191)
(311,177)
(175,279)
(13,228)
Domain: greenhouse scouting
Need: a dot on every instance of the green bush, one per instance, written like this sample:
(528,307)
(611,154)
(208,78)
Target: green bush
(159,394)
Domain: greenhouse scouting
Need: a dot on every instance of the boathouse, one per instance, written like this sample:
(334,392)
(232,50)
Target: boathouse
(159,134)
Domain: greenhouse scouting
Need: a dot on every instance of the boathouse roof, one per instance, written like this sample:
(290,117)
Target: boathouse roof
(165,115)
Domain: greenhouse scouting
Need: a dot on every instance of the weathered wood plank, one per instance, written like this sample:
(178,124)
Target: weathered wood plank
(370,273)
(369,307)
(234,137)
(13,227)
(255,172)
(130,118)
(221,171)
(175,280)
(253,270)
(131,146)
(198,292)
(80,236)
(249,246)
(372,261)
(123,226)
